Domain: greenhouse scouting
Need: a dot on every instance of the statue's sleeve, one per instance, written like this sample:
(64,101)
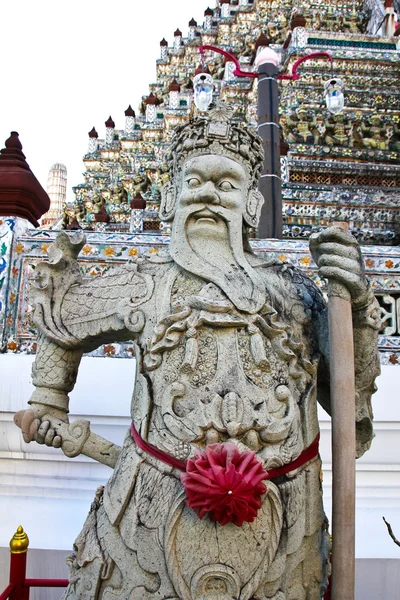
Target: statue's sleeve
(366,324)
(75,315)
(54,375)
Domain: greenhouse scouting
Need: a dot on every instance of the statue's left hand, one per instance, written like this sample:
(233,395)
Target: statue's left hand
(338,256)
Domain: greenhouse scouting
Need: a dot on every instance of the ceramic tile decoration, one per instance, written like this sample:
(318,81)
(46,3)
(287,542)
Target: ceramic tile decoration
(333,158)
(103,250)
(343,167)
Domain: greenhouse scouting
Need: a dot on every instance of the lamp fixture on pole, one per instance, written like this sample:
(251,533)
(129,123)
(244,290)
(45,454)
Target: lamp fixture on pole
(203,90)
(334,96)
(267,63)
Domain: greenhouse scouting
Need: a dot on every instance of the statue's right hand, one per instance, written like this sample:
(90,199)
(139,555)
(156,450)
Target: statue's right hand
(33,429)
(26,420)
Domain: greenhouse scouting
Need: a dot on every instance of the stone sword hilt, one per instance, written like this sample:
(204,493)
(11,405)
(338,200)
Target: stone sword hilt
(76,437)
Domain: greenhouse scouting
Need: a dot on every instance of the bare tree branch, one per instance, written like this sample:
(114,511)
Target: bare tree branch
(390,530)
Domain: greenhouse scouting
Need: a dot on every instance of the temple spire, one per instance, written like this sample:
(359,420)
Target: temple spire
(21,195)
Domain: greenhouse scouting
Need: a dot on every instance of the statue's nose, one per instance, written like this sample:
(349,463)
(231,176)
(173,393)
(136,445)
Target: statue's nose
(207,193)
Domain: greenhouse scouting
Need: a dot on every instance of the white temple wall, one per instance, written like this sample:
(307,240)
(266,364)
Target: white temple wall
(50,495)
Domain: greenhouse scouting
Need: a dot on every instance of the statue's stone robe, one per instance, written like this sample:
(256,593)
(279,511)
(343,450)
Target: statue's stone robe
(208,373)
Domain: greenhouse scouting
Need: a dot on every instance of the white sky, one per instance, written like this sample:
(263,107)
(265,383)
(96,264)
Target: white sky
(66,66)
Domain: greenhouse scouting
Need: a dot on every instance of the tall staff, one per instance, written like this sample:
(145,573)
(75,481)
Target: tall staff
(343,408)
(343,441)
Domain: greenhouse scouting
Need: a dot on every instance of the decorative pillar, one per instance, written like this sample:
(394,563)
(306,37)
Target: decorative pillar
(102,219)
(129,121)
(151,102)
(110,128)
(229,69)
(192,29)
(93,135)
(284,149)
(208,17)
(270,225)
(163,49)
(299,32)
(390,27)
(21,195)
(174,90)
(138,205)
(177,40)
(225,9)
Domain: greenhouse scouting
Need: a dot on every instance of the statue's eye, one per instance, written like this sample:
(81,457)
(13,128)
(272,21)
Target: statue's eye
(226,186)
(193,182)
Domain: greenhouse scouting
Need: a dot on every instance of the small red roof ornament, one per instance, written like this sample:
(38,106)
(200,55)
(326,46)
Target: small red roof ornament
(102,216)
(151,99)
(174,86)
(225,2)
(192,23)
(21,195)
(110,123)
(201,69)
(138,202)
(208,12)
(297,21)
(130,112)
(178,33)
(262,41)
(74,225)
(163,42)
(93,133)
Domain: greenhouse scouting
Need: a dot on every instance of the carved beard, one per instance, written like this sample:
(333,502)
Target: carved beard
(214,252)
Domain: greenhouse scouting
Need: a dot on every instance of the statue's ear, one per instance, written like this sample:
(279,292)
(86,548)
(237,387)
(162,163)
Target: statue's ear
(168,202)
(254,203)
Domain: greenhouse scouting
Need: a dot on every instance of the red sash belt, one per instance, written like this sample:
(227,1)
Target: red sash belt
(307,455)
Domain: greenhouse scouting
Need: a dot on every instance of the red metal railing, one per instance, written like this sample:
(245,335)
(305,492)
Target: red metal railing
(19,586)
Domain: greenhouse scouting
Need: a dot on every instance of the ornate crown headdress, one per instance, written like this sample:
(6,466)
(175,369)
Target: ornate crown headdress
(217,133)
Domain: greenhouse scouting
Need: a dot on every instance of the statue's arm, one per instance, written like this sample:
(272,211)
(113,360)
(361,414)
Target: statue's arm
(54,374)
(339,258)
(74,316)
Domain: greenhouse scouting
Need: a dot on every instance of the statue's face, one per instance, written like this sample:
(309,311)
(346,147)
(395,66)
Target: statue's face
(213,191)
(206,237)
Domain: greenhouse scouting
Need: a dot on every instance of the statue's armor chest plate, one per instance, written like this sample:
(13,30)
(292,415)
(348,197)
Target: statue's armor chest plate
(217,374)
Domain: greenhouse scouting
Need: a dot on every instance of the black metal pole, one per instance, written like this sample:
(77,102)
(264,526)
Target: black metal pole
(270,184)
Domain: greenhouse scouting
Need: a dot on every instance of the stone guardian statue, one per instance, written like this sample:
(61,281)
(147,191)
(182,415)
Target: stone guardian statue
(216,492)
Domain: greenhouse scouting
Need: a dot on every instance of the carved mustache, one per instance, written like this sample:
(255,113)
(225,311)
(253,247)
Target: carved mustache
(214,209)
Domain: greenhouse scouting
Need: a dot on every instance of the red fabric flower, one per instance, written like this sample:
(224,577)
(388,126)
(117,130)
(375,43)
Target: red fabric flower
(224,484)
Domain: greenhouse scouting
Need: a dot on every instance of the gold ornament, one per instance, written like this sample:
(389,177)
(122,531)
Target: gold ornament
(19,542)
